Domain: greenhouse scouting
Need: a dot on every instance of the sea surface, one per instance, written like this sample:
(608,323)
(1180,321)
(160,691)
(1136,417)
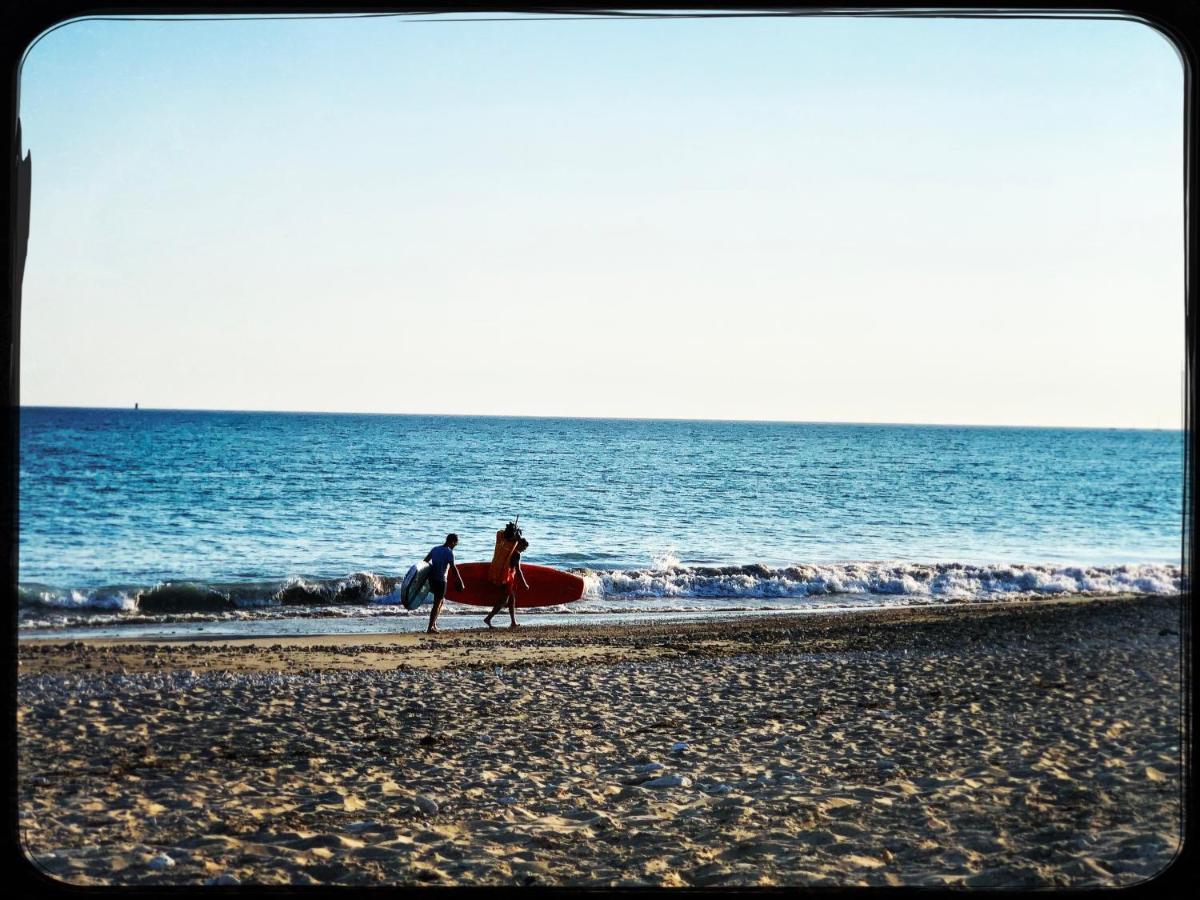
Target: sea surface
(234,520)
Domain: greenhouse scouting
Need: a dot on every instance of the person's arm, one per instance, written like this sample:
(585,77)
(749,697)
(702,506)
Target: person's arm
(521,574)
(428,556)
(457,577)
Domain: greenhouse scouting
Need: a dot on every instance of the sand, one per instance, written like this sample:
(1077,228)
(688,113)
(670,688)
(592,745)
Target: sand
(1033,745)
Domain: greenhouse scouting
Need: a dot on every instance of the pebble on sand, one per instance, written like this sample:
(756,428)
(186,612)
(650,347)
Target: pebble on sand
(426,805)
(668,781)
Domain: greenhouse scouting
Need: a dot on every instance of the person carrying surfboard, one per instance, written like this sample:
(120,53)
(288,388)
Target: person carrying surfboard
(441,560)
(513,573)
(506,545)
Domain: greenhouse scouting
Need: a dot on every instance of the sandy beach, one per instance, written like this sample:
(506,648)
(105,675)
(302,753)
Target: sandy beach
(1016,746)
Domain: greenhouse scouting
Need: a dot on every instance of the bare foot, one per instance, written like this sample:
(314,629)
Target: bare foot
(432,629)
(514,625)
(489,624)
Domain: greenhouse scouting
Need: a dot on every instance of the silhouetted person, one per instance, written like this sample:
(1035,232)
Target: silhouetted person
(512,576)
(441,559)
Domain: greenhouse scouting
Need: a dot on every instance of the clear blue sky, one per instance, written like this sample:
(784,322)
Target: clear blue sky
(958,221)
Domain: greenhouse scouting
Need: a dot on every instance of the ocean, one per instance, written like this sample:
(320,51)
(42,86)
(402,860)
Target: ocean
(245,522)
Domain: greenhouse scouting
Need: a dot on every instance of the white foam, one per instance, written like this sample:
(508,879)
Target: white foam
(941,581)
(80,600)
(673,588)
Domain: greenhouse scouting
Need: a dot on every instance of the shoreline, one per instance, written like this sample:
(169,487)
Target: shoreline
(1019,746)
(720,634)
(665,588)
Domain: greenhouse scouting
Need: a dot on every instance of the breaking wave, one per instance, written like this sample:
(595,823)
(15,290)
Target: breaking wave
(175,597)
(945,581)
(666,585)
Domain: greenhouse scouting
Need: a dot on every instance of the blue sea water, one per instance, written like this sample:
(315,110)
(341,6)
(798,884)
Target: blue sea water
(129,516)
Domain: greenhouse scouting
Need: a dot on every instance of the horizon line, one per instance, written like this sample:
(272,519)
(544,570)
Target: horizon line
(469,415)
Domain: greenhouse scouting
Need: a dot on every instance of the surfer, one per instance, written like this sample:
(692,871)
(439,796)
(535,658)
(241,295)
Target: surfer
(499,571)
(506,545)
(513,573)
(441,559)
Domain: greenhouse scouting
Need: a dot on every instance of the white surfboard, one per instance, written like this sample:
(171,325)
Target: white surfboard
(414,590)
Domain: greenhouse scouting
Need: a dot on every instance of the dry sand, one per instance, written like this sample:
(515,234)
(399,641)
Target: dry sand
(1017,746)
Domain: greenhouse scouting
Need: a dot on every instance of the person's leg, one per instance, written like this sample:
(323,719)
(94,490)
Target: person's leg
(487,620)
(439,594)
(512,609)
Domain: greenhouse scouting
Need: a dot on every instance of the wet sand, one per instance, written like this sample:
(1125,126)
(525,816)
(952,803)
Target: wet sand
(1032,745)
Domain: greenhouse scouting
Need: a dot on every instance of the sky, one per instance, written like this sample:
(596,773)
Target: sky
(947,221)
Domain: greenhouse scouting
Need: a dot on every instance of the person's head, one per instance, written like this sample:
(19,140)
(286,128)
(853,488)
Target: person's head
(522,545)
(452,540)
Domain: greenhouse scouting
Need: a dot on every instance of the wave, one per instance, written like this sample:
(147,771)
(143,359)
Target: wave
(944,581)
(175,597)
(747,586)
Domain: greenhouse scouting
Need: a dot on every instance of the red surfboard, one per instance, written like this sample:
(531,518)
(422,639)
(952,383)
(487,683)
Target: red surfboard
(547,587)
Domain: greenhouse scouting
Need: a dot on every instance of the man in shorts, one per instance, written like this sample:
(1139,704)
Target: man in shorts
(441,559)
